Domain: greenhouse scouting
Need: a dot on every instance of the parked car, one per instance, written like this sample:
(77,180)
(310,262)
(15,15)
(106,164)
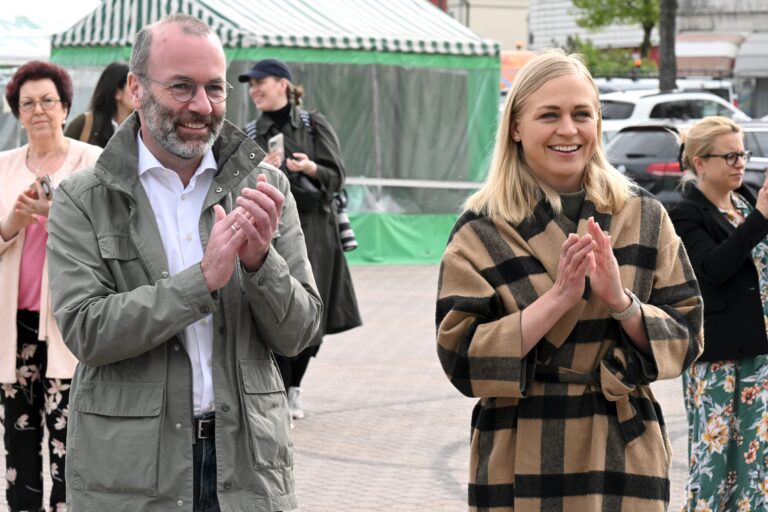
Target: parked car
(722,87)
(756,141)
(647,153)
(628,108)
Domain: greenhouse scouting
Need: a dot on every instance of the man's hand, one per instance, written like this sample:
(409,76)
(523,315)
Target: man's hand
(257,218)
(220,256)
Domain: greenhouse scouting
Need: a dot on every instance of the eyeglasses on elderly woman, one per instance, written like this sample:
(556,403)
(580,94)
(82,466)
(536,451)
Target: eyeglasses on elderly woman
(45,103)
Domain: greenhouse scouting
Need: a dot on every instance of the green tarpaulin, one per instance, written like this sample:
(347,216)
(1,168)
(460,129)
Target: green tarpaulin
(412,93)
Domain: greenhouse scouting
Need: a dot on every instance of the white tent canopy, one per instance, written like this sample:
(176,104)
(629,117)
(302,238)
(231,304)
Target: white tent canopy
(409,26)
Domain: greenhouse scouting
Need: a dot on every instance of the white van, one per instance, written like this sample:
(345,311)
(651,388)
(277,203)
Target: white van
(717,86)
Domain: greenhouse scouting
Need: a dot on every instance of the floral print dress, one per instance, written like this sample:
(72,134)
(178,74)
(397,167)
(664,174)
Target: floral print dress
(727,408)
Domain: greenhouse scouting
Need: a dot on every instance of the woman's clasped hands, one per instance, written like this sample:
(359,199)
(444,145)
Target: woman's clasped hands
(590,255)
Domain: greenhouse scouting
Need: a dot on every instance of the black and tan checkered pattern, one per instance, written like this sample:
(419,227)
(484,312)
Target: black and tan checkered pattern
(573,426)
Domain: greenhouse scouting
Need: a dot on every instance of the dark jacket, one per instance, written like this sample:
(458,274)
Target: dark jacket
(320,223)
(101,131)
(721,256)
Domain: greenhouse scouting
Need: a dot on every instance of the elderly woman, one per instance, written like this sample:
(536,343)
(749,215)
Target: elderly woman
(724,228)
(311,158)
(556,325)
(110,105)
(35,366)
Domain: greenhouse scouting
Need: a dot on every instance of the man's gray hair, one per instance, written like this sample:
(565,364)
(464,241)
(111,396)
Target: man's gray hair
(140,55)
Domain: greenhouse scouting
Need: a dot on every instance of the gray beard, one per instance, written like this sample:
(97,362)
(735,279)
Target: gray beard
(161,123)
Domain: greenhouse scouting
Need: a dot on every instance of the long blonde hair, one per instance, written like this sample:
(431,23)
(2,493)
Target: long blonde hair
(512,191)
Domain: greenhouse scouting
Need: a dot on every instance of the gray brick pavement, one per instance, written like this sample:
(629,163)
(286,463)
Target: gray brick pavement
(384,430)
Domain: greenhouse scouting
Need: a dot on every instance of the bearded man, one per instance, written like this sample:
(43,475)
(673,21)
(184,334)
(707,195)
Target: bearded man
(178,267)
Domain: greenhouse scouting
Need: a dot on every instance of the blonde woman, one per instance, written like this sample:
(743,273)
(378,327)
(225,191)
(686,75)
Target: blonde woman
(724,228)
(563,293)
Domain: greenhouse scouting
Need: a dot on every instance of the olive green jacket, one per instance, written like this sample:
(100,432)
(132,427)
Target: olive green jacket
(130,432)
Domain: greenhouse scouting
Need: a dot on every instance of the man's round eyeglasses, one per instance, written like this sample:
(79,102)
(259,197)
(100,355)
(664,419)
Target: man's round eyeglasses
(184,91)
(45,103)
(733,157)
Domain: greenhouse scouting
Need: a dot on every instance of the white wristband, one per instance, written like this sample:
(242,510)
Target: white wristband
(631,310)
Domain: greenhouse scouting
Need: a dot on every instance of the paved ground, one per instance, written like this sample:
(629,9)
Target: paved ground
(385,431)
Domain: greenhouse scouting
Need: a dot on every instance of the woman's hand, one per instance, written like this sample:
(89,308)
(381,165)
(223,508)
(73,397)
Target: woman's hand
(762,197)
(605,279)
(576,261)
(301,163)
(274,158)
(35,200)
(24,212)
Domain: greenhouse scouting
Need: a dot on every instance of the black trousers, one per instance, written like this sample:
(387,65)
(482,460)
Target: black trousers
(32,404)
(293,368)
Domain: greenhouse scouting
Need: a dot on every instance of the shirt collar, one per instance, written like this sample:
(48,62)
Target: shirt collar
(147,160)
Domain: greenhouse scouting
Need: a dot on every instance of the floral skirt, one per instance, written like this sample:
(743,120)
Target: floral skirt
(727,408)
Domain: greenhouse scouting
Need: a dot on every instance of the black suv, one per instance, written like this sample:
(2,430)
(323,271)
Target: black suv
(648,155)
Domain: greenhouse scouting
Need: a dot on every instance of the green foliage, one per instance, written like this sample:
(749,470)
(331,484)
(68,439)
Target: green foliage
(615,62)
(600,13)
(595,14)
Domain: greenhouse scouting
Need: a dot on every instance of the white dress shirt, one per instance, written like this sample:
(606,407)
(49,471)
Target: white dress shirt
(177,212)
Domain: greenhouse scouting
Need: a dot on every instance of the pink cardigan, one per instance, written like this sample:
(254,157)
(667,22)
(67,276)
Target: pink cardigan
(15,178)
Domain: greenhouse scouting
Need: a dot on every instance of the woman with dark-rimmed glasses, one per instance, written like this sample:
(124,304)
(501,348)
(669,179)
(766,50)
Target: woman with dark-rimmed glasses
(724,227)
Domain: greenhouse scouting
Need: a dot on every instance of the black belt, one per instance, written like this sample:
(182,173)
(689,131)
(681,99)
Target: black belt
(205,427)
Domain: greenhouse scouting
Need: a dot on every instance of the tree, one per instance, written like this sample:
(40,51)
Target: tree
(599,13)
(667,57)
(607,62)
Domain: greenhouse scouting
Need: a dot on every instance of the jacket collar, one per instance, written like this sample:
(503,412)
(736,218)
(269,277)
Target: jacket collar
(117,167)
(264,123)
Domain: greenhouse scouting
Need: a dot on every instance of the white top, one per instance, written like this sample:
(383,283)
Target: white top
(177,212)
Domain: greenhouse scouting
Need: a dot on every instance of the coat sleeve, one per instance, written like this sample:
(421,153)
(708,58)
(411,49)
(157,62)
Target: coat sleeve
(673,313)
(330,166)
(479,343)
(717,262)
(285,286)
(101,325)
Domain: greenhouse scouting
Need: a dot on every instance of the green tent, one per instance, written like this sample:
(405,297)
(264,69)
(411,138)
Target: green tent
(412,93)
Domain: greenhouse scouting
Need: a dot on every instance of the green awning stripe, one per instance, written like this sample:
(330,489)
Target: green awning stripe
(94,56)
(410,26)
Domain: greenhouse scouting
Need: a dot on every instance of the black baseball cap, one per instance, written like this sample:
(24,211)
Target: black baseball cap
(265,68)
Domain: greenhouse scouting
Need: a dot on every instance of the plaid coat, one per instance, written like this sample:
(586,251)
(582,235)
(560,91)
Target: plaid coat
(573,426)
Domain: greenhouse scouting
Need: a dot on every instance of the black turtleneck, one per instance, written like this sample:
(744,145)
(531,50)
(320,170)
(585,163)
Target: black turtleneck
(280,117)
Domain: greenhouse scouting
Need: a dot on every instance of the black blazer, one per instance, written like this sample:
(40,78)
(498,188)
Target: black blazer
(721,256)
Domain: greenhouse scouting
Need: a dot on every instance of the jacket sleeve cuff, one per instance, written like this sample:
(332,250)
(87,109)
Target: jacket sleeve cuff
(270,283)
(195,292)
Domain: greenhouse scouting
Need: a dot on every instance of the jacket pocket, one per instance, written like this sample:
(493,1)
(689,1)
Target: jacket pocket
(115,437)
(116,246)
(122,259)
(269,421)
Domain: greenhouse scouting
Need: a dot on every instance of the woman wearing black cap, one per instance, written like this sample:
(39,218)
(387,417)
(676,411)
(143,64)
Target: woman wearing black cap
(311,159)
